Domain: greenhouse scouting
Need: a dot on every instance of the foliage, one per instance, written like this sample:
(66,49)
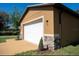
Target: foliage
(41,44)
(9,23)
(77,11)
(7,19)
(15,18)
(4,18)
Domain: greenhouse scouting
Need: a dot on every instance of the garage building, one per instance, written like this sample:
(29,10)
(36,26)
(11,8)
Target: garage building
(56,24)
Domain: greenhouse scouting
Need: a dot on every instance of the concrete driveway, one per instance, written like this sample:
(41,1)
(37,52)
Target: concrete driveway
(11,47)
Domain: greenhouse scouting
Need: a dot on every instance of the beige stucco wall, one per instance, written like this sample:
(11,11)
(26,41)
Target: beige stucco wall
(34,13)
(70,28)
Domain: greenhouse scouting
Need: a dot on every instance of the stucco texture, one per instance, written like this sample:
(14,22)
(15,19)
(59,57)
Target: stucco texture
(34,13)
(70,28)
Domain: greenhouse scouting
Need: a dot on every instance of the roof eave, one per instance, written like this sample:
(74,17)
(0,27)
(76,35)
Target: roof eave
(56,5)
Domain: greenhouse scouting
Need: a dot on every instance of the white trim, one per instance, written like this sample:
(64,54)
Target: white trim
(51,34)
(53,22)
(36,5)
(35,20)
(48,34)
(56,35)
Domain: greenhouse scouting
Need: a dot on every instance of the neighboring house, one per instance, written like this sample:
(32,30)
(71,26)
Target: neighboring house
(55,23)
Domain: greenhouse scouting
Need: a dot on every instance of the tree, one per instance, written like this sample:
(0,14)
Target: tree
(4,18)
(15,18)
(77,11)
(1,23)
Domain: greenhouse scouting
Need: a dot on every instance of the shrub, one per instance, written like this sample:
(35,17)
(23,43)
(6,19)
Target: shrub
(41,45)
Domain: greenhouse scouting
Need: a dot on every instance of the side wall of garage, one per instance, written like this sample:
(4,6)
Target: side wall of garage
(70,28)
(66,28)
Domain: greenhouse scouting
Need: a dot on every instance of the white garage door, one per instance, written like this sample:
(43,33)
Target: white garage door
(33,31)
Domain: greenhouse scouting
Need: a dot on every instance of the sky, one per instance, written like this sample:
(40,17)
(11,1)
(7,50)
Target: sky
(8,7)
(73,6)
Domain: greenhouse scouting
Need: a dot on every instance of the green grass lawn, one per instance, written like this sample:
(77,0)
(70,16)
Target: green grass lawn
(3,38)
(69,50)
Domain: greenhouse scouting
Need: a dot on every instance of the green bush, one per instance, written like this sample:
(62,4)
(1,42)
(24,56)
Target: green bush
(41,47)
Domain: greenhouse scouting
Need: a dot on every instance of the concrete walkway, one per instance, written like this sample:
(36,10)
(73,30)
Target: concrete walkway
(11,47)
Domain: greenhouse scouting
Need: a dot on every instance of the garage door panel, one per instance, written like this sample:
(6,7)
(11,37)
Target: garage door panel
(33,32)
